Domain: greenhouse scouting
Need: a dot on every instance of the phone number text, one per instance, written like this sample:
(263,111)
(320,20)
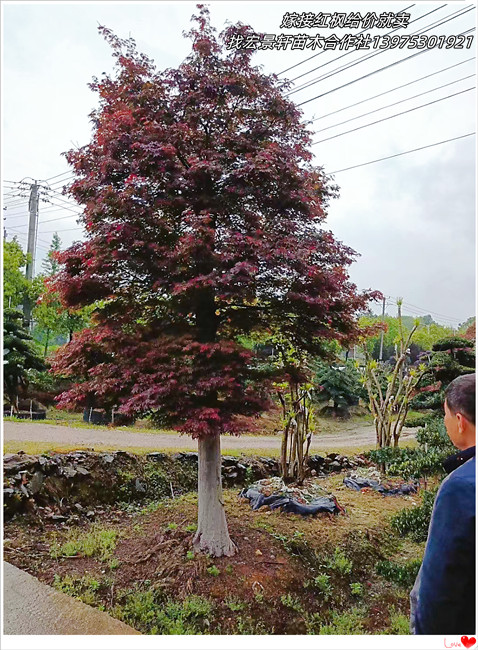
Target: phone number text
(346,42)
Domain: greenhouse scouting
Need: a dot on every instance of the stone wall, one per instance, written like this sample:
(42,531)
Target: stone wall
(57,486)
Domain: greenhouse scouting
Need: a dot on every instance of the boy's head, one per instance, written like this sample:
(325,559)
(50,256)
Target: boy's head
(460,402)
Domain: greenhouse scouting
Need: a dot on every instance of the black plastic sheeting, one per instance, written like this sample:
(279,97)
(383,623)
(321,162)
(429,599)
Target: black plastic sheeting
(358,483)
(286,504)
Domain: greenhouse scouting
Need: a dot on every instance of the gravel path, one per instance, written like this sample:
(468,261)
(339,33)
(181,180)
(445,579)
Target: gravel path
(358,436)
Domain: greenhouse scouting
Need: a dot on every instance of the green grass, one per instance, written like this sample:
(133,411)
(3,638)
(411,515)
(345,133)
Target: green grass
(96,542)
(85,588)
(147,612)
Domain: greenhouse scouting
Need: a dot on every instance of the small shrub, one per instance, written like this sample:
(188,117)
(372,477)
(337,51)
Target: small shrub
(145,611)
(85,588)
(248,626)
(190,555)
(292,602)
(323,586)
(140,609)
(171,526)
(349,622)
(356,589)
(191,528)
(213,571)
(339,562)
(114,564)
(235,605)
(415,521)
(402,574)
(150,507)
(188,617)
(229,569)
(259,597)
(399,623)
(249,475)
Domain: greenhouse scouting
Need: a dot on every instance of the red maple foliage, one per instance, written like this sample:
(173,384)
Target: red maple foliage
(204,218)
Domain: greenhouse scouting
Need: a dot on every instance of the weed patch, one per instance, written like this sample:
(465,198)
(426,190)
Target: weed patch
(401,574)
(414,522)
(97,542)
(86,589)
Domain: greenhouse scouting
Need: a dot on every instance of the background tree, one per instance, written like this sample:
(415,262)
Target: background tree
(203,215)
(390,388)
(450,358)
(341,384)
(15,284)
(426,334)
(21,356)
(53,321)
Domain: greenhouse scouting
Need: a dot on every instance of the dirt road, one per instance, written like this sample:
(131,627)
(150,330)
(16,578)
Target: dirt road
(358,436)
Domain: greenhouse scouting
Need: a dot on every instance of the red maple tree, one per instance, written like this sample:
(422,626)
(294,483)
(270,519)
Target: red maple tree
(204,220)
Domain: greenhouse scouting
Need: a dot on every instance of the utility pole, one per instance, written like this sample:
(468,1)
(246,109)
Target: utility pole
(380,356)
(31,248)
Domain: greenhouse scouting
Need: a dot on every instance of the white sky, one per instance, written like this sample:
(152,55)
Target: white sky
(411,218)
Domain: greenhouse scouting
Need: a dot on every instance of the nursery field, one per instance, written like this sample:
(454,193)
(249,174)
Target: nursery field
(346,573)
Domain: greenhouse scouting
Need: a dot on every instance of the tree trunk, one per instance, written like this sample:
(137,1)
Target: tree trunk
(212,535)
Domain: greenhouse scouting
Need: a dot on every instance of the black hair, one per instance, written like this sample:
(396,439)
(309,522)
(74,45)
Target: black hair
(460,396)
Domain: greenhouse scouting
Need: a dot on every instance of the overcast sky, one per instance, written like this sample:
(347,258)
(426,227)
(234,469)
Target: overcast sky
(411,218)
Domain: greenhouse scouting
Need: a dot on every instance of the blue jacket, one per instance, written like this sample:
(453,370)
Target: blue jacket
(443,598)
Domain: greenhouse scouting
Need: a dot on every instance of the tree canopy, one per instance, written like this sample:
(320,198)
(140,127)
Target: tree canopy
(204,219)
(15,284)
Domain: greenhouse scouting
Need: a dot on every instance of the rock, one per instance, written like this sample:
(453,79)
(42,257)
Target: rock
(106,458)
(90,513)
(24,490)
(189,457)
(14,463)
(140,486)
(81,470)
(156,456)
(258,552)
(69,471)
(36,482)
(335,466)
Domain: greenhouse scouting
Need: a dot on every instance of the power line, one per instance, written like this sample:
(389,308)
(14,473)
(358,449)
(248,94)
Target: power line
(370,74)
(66,208)
(57,175)
(403,153)
(57,219)
(369,56)
(60,197)
(384,119)
(46,232)
(63,180)
(407,99)
(426,312)
(318,53)
(391,90)
(366,55)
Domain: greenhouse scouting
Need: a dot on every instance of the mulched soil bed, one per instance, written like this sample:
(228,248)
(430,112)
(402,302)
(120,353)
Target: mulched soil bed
(267,587)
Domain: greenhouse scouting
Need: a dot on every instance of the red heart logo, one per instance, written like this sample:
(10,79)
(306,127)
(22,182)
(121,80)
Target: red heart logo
(468,641)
